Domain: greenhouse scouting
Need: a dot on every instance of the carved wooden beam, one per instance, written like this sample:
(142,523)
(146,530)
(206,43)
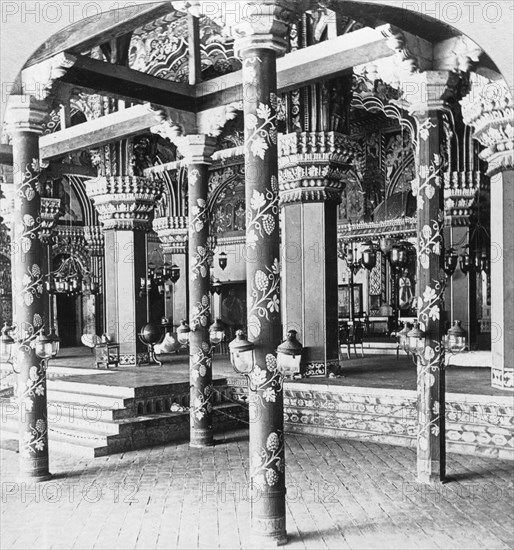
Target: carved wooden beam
(320,61)
(116,126)
(122,82)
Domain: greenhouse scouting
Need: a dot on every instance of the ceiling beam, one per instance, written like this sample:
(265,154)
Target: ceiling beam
(100,29)
(114,127)
(121,82)
(318,62)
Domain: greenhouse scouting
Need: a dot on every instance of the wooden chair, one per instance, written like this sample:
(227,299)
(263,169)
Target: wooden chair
(351,336)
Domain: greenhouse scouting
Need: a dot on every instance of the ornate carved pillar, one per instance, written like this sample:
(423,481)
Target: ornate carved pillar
(50,210)
(93,303)
(489,108)
(435,88)
(260,37)
(172,232)
(197,150)
(125,209)
(460,192)
(27,115)
(312,166)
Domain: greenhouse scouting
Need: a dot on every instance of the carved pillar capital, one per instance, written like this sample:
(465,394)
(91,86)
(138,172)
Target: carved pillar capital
(489,109)
(196,148)
(172,232)
(42,78)
(312,166)
(264,25)
(94,238)
(124,202)
(26,113)
(430,91)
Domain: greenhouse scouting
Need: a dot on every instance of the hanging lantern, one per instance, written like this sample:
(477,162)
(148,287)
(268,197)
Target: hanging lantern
(456,338)
(50,285)
(398,256)
(216,332)
(59,285)
(222,260)
(416,340)
(44,347)
(369,258)
(450,262)
(465,263)
(56,343)
(166,270)
(484,262)
(183,331)
(289,354)
(242,354)
(175,273)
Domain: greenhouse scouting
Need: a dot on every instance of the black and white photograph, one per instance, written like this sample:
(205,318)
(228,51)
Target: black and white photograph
(257,274)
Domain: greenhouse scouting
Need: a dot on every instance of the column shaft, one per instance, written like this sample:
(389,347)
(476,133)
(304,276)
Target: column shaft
(200,361)
(502,279)
(431,376)
(310,281)
(263,291)
(28,269)
(125,308)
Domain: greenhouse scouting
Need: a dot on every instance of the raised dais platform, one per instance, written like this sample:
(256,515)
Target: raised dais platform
(97,412)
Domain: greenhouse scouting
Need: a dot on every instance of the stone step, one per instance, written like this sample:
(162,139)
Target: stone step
(103,438)
(61,384)
(89,413)
(89,399)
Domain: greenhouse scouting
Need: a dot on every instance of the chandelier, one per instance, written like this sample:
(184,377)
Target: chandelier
(72,279)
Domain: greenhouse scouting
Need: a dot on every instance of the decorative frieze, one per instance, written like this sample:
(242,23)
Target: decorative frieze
(124,202)
(490,110)
(172,232)
(312,165)
(94,239)
(460,190)
(475,425)
(49,214)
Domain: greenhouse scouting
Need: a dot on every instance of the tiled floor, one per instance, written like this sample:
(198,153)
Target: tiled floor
(341,494)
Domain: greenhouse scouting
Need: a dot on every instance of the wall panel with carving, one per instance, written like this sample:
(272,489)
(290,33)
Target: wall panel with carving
(227,199)
(161,49)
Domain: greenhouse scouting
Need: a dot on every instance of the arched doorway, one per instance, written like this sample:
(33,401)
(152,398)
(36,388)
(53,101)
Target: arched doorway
(68,309)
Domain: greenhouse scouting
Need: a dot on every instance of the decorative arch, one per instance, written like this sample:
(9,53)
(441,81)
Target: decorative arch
(226,202)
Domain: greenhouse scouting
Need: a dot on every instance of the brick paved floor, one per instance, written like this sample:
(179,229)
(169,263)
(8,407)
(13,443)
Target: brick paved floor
(341,494)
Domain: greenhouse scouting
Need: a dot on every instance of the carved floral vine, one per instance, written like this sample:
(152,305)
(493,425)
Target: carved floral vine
(264,297)
(428,181)
(268,463)
(262,213)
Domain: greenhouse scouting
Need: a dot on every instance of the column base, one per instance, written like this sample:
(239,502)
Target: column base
(201,438)
(27,478)
(202,444)
(430,479)
(261,540)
